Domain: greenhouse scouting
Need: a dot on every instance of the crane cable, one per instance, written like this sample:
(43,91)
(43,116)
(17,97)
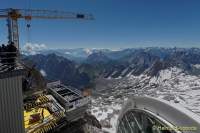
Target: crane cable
(28,33)
(28,23)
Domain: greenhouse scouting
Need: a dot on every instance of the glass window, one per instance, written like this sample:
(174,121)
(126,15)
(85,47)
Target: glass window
(140,122)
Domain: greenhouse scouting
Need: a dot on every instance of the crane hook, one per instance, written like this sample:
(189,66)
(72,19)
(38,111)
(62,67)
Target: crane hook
(28,25)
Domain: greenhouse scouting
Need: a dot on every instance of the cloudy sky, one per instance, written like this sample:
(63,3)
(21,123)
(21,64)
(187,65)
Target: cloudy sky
(117,24)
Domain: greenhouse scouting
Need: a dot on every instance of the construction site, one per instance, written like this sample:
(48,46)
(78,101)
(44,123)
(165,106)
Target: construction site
(134,70)
(28,103)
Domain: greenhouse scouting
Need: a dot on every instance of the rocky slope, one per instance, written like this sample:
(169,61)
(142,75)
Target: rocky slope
(171,84)
(172,74)
(55,67)
(115,64)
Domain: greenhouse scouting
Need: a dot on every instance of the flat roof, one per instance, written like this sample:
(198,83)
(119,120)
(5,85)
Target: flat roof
(68,93)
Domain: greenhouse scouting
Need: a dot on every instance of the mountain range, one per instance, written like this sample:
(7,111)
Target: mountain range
(80,67)
(54,67)
(172,74)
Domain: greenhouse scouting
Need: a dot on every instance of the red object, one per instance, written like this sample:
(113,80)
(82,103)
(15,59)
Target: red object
(34,118)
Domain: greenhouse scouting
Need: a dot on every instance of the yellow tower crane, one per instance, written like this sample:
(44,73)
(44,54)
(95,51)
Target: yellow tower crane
(12,16)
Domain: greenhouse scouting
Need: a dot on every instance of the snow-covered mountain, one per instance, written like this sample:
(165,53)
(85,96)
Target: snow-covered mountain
(55,67)
(108,64)
(171,84)
(172,74)
(76,54)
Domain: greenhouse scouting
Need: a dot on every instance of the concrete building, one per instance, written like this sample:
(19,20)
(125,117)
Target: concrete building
(11,99)
(71,99)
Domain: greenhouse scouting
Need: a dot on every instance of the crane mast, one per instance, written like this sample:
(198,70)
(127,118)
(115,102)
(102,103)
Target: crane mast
(12,16)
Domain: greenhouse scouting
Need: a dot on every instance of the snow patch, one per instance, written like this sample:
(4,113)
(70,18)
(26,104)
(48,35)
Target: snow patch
(197,66)
(171,84)
(67,53)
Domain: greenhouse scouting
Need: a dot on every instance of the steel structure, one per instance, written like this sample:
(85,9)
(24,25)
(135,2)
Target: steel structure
(74,103)
(149,115)
(12,16)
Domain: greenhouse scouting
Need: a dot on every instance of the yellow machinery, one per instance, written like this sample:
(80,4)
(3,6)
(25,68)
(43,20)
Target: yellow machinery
(38,118)
(35,112)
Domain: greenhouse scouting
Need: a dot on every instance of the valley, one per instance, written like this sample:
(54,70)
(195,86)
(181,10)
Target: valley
(171,74)
(171,84)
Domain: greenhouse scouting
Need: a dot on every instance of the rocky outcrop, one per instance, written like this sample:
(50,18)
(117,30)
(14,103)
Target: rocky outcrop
(59,68)
(88,124)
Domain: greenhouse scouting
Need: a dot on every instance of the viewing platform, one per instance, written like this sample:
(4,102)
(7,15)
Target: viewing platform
(71,99)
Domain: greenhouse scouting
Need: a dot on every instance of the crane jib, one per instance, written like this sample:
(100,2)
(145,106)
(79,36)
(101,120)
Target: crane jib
(12,15)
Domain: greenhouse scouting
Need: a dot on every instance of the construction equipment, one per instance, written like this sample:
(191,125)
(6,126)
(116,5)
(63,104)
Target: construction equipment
(12,16)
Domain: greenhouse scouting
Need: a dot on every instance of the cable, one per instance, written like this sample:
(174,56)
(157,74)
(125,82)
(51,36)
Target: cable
(28,23)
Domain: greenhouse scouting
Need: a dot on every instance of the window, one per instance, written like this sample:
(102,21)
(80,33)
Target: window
(140,122)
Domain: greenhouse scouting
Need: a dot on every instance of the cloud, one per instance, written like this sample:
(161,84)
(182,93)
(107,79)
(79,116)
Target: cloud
(33,48)
(43,73)
(88,51)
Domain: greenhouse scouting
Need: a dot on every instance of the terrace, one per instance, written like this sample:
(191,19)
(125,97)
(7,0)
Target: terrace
(71,99)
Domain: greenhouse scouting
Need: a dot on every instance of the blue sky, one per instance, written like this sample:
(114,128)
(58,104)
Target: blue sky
(117,24)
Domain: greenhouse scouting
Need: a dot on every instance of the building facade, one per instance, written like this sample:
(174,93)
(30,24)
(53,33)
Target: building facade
(11,102)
